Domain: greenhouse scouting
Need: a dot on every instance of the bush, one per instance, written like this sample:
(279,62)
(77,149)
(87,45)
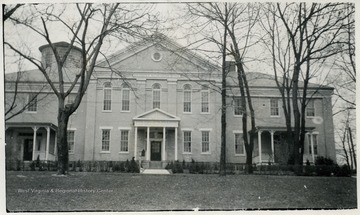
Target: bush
(324,166)
(343,171)
(134,167)
(32,165)
(177,167)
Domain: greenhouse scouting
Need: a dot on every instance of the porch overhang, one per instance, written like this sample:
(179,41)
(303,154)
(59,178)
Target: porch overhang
(156,118)
(30,125)
(279,128)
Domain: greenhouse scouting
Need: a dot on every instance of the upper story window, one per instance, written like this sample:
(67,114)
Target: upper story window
(125,102)
(310,108)
(204,99)
(238,110)
(156,95)
(107,96)
(274,107)
(32,102)
(187,98)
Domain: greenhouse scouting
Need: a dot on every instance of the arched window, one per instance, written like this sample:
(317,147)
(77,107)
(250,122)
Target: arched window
(156,95)
(107,96)
(125,100)
(187,98)
(205,99)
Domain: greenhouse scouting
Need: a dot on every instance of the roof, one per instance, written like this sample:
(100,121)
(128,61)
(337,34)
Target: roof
(59,44)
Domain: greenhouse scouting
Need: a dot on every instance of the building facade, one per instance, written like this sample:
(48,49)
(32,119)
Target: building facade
(158,102)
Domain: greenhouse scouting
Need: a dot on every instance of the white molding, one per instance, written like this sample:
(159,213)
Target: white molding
(105,127)
(237,131)
(124,128)
(205,129)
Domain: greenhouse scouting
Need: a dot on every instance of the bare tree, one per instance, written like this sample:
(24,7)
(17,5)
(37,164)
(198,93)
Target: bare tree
(233,23)
(93,24)
(302,37)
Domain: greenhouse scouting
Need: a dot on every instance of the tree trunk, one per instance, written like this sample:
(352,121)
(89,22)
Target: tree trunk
(296,112)
(62,145)
(352,149)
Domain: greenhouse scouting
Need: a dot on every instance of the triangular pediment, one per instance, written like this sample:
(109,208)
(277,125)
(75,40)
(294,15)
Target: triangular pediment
(140,57)
(156,115)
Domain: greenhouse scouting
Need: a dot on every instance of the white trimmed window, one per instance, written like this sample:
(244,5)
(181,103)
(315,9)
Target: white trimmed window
(32,102)
(124,141)
(125,103)
(71,141)
(204,99)
(238,111)
(310,108)
(187,141)
(205,141)
(274,107)
(107,96)
(239,144)
(105,140)
(315,143)
(187,98)
(156,95)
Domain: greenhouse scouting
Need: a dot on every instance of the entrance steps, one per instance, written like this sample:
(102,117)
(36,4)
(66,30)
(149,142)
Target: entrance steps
(156,171)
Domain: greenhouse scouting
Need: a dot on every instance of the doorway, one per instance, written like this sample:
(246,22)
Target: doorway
(28,150)
(155,151)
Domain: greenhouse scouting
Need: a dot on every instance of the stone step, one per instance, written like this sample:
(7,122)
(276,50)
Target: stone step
(156,171)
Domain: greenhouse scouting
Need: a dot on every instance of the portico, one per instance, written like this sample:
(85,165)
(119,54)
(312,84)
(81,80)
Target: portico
(156,132)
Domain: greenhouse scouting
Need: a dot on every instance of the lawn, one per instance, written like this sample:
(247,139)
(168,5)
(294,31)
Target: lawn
(82,191)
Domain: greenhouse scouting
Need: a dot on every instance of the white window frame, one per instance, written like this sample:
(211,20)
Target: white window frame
(274,108)
(153,91)
(128,138)
(30,105)
(126,89)
(183,131)
(105,88)
(310,102)
(315,139)
(235,106)
(208,130)
(101,146)
(74,139)
(244,151)
(189,91)
(202,102)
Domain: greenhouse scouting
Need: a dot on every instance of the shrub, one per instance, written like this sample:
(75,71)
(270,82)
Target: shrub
(177,167)
(116,167)
(32,165)
(37,161)
(343,171)
(134,167)
(324,166)
(18,165)
(127,166)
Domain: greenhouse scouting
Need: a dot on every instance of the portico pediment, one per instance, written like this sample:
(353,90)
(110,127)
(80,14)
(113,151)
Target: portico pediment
(156,118)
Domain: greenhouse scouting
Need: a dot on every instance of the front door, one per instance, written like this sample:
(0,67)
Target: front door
(155,150)
(28,149)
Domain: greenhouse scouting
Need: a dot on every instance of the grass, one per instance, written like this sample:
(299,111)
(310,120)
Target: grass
(83,191)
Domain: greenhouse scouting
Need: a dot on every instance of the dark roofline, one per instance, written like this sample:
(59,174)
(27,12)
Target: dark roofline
(59,44)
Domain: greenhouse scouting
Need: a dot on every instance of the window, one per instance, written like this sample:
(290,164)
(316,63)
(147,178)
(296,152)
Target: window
(187,141)
(187,98)
(310,108)
(125,103)
(105,144)
(238,110)
(32,103)
(107,97)
(124,141)
(239,144)
(156,95)
(71,99)
(314,142)
(71,141)
(205,141)
(204,99)
(274,107)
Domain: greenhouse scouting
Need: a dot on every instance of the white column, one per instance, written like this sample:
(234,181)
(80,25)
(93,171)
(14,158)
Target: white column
(259,143)
(55,149)
(148,144)
(47,143)
(312,147)
(272,146)
(176,143)
(34,142)
(135,143)
(163,155)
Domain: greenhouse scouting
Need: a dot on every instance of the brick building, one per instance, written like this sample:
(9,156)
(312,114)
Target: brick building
(166,103)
